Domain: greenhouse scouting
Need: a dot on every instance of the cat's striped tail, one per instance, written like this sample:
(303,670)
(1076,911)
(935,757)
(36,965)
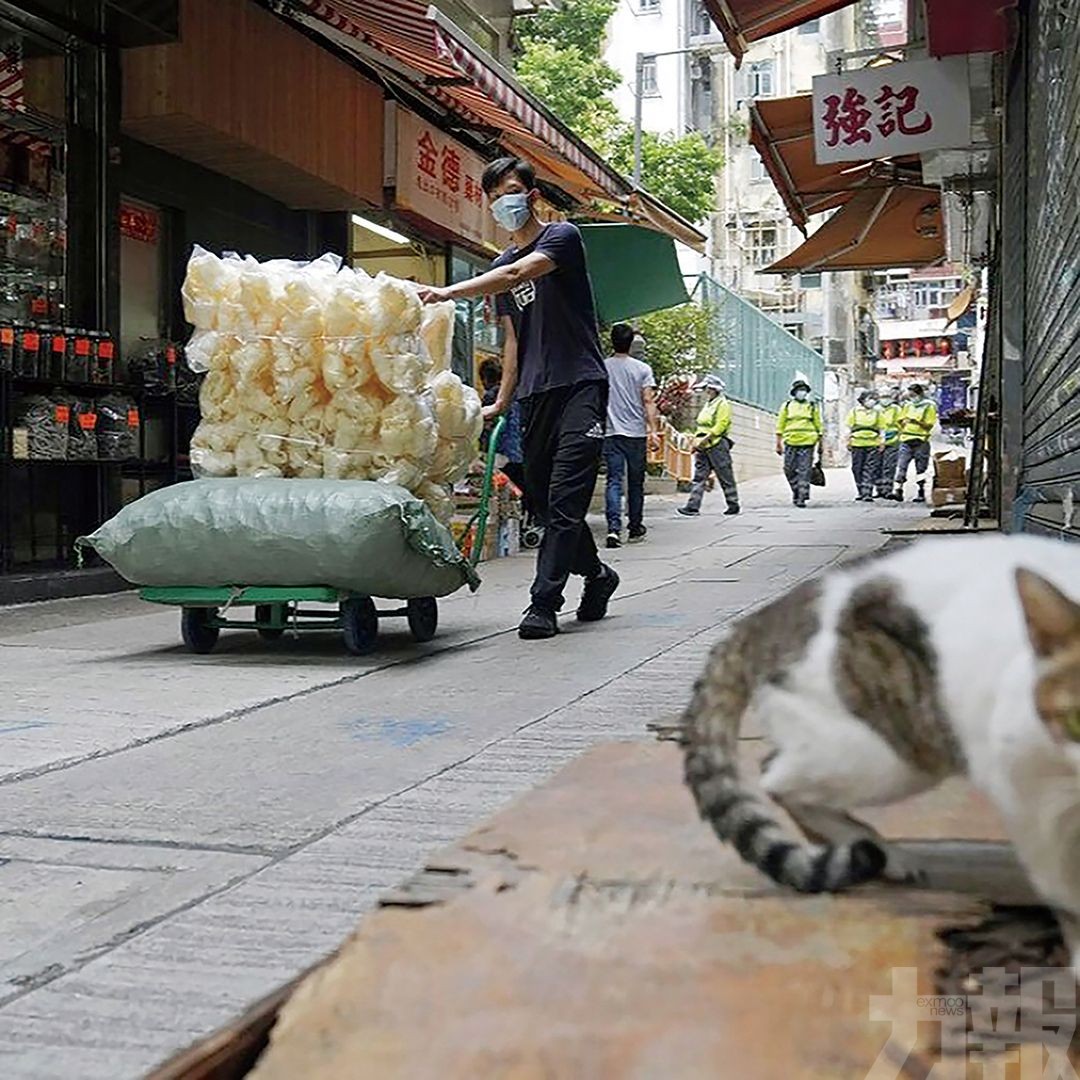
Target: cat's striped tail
(711,728)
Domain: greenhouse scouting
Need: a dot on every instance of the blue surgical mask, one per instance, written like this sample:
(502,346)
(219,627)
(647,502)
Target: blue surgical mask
(512,211)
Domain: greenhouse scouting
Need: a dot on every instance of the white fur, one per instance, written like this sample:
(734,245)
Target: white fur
(965,591)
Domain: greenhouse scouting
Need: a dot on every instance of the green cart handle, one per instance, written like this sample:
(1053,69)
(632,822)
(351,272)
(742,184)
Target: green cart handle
(480,518)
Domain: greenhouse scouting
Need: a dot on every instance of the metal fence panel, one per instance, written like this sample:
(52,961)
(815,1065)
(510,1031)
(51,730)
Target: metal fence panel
(759,358)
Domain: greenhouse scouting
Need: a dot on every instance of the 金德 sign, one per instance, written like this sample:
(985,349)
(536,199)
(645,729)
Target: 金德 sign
(439,178)
(892,110)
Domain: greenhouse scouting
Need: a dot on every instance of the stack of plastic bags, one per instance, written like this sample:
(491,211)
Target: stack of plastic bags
(318,370)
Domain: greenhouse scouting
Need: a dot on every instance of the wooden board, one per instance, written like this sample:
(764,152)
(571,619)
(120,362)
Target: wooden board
(597,929)
(248,96)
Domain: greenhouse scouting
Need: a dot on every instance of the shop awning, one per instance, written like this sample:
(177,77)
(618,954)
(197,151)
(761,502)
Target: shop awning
(782,132)
(744,21)
(633,271)
(421,44)
(875,230)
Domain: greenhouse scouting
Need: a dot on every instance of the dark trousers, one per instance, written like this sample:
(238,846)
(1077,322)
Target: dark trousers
(563,439)
(798,461)
(716,459)
(917,450)
(864,466)
(624,454)
(886,468)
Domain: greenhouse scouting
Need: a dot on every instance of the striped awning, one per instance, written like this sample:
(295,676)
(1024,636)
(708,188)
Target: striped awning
(742,22)
(420,44)
(465,79)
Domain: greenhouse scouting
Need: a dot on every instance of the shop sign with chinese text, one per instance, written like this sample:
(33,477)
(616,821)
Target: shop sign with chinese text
(439,179)
(892,110)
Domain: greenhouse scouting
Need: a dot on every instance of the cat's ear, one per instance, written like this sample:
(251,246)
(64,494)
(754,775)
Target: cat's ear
(1053,620)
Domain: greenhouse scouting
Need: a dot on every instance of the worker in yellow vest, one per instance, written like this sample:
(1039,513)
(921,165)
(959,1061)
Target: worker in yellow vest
(864,442)
(798,432)
(918,416)
(712,448)
(889,410)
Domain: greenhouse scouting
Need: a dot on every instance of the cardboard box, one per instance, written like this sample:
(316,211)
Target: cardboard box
(948,496)
(950,470)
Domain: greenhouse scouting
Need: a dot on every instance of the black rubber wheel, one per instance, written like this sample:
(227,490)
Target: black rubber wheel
(423,616)
(195,628)
(359,625)
(265,613)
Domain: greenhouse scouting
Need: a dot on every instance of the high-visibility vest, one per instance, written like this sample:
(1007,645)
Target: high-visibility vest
(890,423)
(799,423)
(865,425)
(917,420)
(714,421)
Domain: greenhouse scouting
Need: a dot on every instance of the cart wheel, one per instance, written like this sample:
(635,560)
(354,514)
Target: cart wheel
(423,616)
(199,635)
(265,613)
(359,625)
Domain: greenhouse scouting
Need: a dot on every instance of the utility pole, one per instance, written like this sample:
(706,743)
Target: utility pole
(639,74)
(639,79)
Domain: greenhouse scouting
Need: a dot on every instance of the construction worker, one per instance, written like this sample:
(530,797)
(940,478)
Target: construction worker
(917,419)
(712,448)
(864,442)
(798,431)
(889,411)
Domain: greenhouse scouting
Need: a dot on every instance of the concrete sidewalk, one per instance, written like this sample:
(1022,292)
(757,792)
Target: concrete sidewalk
(180,834)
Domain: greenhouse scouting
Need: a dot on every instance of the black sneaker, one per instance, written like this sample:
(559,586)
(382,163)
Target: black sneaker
(635,536)
(731,511)
(538,623)
(594,599)
(613,540)
(687,512)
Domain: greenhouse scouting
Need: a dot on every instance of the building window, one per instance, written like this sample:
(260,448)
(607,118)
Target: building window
(810,281)
(648,5)
(757,169)
(761,79)
(811,26)
(700,23)
(649,87)
(760,244)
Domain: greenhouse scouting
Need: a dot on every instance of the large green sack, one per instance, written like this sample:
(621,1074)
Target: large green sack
(370,538)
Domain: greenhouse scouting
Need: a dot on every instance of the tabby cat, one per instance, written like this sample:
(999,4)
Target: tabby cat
(881,679)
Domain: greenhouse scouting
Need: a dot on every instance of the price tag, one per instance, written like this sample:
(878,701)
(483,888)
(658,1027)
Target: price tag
(133,418)
(170,355)
(7,336)
(39,306)
(106,350)
(59,344)
(88,421)
(63,414)
(32,342)
(82,346)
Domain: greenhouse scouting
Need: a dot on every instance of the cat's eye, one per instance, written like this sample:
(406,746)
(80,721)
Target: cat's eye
(1070,724)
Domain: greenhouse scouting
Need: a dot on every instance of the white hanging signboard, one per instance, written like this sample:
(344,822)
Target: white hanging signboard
(892,110)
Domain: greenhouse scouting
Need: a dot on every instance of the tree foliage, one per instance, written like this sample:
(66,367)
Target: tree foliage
(680,340)
(574,86)
(680,170)
(562,63)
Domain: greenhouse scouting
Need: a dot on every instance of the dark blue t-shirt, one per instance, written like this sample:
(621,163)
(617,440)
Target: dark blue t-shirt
(554,316)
